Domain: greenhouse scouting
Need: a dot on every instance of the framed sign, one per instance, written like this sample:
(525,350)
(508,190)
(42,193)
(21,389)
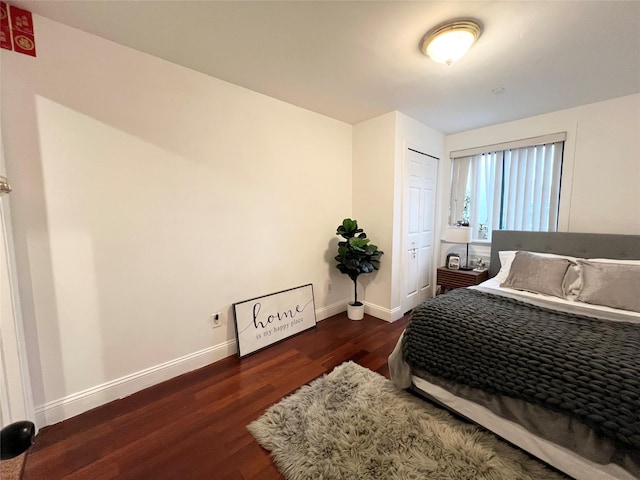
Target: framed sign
(263,321)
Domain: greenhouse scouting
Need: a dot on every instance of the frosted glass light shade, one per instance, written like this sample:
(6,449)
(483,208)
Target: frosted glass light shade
(450,42)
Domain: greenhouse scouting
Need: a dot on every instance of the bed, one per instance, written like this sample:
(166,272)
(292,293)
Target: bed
(550,360)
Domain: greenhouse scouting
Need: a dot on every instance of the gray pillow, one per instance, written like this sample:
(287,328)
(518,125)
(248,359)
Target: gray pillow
(537,274)
(610,284)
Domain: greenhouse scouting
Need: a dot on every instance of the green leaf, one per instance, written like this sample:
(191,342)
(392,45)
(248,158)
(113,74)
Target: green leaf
(349,225)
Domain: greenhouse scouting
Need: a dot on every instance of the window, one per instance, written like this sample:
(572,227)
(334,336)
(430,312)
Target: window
(508,186)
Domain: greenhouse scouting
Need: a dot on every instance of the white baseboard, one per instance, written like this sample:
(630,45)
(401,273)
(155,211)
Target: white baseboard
(80,402)
(331,310)
(383,313)
(77,403)
(369,308)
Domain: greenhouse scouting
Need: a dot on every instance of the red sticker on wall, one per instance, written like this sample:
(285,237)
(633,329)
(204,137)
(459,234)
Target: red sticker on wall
(4,14)
(5,32)
(21,20)
(5,38)
(16,30)
(24,43)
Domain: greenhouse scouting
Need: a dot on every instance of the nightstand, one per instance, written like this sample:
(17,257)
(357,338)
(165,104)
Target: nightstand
(450,279)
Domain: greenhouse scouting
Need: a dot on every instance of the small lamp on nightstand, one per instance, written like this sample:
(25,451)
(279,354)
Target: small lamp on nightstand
(453,234)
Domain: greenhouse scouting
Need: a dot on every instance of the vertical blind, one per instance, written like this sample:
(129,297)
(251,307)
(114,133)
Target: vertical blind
(511,189)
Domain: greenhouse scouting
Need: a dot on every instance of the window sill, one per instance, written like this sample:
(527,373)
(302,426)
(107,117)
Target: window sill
(472,242)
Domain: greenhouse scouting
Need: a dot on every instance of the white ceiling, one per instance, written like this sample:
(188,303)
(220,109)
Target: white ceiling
(355,60)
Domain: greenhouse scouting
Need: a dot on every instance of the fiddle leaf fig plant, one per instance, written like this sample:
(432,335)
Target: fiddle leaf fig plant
(356,254)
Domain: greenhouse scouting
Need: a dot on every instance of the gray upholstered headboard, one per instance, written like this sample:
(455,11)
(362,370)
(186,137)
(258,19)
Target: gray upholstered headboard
(582,245)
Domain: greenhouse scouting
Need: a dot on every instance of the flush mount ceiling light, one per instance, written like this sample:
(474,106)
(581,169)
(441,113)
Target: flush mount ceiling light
(449,42)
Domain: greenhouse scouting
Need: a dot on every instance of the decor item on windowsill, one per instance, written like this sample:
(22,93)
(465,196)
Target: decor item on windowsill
(356,255)
(455,234)
(483,232)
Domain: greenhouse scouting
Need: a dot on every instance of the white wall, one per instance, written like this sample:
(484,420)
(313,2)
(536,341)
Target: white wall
(373,204)
(600,190)
(379,147)
(147,196)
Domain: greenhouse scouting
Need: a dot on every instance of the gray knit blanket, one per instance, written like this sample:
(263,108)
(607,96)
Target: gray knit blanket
(583,367)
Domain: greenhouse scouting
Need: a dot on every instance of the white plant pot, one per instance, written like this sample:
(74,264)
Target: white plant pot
(355,312)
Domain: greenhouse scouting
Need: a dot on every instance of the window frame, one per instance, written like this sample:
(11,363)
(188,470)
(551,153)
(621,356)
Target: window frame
(529,145)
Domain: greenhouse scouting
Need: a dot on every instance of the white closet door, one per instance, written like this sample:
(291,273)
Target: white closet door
(421,174)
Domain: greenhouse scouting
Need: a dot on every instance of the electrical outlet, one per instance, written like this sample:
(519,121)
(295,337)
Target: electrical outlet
(216,319)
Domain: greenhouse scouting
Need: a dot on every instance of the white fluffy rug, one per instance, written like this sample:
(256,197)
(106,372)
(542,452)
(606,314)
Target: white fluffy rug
(354,424)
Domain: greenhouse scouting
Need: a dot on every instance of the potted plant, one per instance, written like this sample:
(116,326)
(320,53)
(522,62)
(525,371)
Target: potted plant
(356,255)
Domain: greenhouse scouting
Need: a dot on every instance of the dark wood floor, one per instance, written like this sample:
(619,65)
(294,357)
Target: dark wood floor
(193,427)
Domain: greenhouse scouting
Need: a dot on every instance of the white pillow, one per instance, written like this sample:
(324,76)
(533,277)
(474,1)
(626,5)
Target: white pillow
(572,282)
(506,257)
(613,260)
